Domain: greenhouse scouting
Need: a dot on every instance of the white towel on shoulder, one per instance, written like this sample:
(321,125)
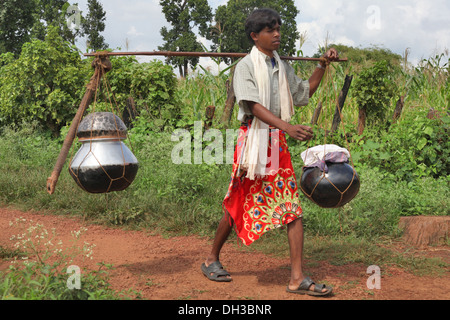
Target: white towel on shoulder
(254,158)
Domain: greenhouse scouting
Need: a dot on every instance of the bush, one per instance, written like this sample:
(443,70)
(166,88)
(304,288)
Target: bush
(414,148)
(44,84)
(152,86)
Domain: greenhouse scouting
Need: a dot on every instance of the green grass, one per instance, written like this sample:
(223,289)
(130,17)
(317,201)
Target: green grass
(39,265)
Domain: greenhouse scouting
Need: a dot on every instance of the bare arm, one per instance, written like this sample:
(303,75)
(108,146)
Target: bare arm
(316,77)
(299,132)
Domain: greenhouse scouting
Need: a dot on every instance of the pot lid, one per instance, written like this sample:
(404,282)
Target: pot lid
(101,124)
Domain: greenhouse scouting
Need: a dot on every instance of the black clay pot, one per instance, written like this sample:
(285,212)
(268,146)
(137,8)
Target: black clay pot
(330,189)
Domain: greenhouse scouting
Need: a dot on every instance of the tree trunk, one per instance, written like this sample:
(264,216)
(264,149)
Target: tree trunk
(424,231)
(340,106)
(185,68)
(361,120)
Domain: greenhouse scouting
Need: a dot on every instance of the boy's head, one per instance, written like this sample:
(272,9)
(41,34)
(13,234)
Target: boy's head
(259,19)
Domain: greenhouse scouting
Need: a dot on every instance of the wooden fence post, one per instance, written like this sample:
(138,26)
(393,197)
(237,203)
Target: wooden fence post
(316,114)
(361,120)
(209,114)
(231,99)
(340,105)
(398,108)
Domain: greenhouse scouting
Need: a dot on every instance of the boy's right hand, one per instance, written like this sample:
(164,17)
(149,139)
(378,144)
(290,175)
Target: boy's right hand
(300,132)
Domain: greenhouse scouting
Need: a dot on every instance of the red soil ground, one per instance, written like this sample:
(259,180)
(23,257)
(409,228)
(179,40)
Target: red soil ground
(169,269)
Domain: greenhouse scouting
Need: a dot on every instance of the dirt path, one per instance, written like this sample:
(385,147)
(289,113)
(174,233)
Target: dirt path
(169,269)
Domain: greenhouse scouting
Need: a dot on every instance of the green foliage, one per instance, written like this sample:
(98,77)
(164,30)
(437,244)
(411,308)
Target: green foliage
(23,21)
(16,19)
(152,85)
(198,91)
(94,24)
(228,33)
(361,56)
(373,89)
(413,148)
(429,82)
(45,83)
(52,13)
(181,15)
(39,268)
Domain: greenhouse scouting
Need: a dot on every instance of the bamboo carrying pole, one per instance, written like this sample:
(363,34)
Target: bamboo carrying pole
(197,54)
(101,65)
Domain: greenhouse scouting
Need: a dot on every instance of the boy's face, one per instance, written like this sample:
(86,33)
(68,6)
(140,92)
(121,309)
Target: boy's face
(268,39)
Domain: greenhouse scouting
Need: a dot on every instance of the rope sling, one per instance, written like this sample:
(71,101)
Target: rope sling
(335,183)
(104,163)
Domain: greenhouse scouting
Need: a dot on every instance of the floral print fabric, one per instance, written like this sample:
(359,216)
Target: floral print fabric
(260,205)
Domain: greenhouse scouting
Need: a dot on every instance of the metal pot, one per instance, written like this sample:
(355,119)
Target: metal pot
(103,163)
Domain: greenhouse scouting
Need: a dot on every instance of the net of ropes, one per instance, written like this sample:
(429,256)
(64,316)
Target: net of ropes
(328,175)
(103,163)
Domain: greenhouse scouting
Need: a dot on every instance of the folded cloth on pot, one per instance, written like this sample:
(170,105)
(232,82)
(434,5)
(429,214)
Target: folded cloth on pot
(318,156)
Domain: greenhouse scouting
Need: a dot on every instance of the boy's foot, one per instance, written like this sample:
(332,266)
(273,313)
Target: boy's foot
(309,287)
(216,272)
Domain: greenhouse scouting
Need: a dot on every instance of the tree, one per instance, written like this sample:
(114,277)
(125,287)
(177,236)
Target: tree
(373,90)
(22,21)
(228,31)
(93,24)
(52,13)
(16,21)
(362,55)
(183,15)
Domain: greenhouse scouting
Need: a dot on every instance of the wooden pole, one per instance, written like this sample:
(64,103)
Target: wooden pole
(317,111)
(398,108)
(340,106)
(361,120)
(101,65)
(229,103)
(197,54)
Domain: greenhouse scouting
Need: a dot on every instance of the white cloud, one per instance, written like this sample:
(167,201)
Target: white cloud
(132,32)
(419,25)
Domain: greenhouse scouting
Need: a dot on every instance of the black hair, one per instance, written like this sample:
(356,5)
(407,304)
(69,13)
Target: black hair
(259,19)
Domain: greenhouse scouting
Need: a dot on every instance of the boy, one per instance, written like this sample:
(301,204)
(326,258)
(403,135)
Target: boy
(263,193)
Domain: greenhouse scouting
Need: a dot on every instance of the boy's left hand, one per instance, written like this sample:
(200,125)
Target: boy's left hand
(331,55)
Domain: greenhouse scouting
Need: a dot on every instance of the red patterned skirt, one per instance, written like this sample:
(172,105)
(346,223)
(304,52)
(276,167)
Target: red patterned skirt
(257,206)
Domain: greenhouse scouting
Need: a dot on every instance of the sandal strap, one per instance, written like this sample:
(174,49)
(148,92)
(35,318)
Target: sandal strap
(306,283)
(319,287)
(217,269)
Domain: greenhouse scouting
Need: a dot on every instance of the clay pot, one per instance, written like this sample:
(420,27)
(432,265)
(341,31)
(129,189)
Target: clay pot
(330,189)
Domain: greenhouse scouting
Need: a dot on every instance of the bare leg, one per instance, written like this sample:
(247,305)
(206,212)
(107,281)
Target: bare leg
(295,238)
(222,233)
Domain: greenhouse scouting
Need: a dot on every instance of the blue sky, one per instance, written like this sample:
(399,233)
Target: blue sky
(422,26)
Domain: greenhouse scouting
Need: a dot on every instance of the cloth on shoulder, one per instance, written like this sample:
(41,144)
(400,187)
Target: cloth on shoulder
(254,158)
